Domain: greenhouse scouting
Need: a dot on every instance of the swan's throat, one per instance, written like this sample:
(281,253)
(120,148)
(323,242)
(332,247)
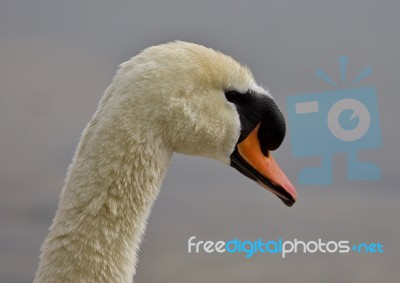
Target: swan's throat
(109,191)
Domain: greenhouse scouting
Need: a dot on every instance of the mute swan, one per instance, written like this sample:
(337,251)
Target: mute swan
(175,97)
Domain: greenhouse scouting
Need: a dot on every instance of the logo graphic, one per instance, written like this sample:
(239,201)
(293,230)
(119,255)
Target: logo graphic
(344,120)
(282,247)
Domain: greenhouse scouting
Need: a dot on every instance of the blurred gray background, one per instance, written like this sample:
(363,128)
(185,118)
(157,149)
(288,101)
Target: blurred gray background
(57,57)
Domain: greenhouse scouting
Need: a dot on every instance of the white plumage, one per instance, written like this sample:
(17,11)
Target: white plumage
(169,98)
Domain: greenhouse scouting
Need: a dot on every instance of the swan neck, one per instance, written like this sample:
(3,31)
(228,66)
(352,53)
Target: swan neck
(110,188)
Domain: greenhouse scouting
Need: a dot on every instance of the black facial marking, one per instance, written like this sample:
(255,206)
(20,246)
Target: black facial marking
(254,108)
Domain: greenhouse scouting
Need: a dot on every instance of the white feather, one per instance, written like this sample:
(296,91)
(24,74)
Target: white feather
(169,98)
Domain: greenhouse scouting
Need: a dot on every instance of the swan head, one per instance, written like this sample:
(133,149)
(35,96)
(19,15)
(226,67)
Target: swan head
(202,102)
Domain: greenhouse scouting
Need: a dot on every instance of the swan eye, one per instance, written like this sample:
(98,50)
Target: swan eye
(254,108)
(262,129)
(233,96)
(244,103)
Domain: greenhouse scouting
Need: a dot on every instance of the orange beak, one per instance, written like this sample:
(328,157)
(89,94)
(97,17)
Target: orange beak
(249,160)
